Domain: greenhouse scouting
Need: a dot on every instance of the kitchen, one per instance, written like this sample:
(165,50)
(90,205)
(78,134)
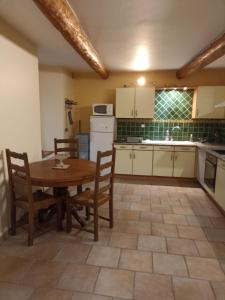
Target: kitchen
(167,241)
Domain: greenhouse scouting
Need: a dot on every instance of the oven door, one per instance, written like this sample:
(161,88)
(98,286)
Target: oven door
(210,175)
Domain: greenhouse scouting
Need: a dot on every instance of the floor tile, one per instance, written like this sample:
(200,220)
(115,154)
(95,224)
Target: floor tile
(130,215)
(44,274)
(169,264)
(151,217)
(182,210)
(80,278)
(86,296)
(75,253)
(51,294)
(219,250)
(136,260)
(115,283)
(219,289)
(138,227)
(164,209)
(191,232)
(152,286)
(204,268)
(190,289)
(12,269)
(205,249)
(215,235)
(181,246)
(152,243)
(218,222)
(123,240)
(199,221)
(104,256)
(175,219)
(169,230)
(14,292)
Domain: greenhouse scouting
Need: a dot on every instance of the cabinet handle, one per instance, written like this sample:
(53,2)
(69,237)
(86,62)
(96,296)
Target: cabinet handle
(136,113)
(197,112)
(134,155)
(132,112)
(171,157)
(130,155)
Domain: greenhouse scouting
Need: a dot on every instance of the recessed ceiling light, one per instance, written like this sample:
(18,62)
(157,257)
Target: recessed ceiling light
(184,88)
(141,81)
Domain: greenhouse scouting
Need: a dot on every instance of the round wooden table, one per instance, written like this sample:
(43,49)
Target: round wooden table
(79,172)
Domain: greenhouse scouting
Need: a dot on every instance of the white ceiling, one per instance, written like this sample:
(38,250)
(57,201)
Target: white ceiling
(129,35)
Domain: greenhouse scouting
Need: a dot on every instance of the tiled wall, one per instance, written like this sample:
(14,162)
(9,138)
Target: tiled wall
(156,130)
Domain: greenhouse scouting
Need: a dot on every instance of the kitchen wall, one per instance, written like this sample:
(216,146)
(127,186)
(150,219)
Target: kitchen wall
(89,88)
(20,128)
(56,84)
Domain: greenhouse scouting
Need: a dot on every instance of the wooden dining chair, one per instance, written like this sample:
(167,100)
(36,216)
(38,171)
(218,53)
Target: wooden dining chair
(21,192)
(102,193)
(70,146)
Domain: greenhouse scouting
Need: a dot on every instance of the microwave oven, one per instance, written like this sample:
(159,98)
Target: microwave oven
(102,109)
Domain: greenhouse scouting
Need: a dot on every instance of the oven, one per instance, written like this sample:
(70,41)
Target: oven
(210,171)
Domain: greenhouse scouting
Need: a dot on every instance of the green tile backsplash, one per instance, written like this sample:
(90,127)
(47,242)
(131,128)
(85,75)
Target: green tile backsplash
(173,112)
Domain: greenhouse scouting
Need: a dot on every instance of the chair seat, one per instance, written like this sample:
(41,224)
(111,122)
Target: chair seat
(86,198)
(41,201)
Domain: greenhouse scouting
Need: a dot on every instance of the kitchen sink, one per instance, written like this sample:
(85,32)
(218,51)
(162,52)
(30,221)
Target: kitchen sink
(167,142)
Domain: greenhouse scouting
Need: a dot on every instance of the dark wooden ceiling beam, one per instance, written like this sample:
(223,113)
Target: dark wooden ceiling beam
(63,17)
(214,51)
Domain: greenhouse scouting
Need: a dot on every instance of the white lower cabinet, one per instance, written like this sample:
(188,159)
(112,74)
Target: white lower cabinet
(184,164)
(142,162)
(123,163)
(220,184)
(163,161)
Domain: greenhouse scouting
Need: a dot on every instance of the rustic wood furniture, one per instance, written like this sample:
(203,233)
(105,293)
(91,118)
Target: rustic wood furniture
(70,146)
(21,192)
(102,193)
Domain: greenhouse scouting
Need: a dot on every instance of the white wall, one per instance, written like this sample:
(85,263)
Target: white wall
(20,128)
(55,86)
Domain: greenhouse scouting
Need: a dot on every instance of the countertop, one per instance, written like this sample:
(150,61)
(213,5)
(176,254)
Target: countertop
(210,148)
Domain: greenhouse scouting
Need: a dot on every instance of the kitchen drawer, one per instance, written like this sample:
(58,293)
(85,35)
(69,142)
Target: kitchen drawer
(221,163)
(164,148)
(184,148)
(143,147)
(123,147)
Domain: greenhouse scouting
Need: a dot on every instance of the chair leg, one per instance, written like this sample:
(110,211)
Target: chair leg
(68,216)
(87,209)
(111,213)
(96,224)
(13,220)
(30,228)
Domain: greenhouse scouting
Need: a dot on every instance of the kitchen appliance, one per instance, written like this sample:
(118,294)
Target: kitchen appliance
(102,134)
(102,109)
(210,171)
(84,145)
(221,152)
(134,139)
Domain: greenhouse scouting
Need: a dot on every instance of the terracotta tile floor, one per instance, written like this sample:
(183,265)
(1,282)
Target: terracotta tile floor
(168,242)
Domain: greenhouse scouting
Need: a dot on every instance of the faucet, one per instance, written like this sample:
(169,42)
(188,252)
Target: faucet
(173,128)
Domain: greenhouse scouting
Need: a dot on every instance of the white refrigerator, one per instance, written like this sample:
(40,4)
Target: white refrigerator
(102,134)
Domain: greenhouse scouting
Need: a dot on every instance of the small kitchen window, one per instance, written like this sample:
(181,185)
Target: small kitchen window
(173,104)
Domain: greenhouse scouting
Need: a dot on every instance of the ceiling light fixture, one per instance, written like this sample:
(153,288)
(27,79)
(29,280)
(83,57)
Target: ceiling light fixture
(141,81)
(184,88)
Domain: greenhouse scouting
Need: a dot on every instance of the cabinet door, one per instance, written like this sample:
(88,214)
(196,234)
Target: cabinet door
(144,102)
(125,102)
(142,162)
(220,185)
(184,164)
(205,99)
(123,164)
(163,163)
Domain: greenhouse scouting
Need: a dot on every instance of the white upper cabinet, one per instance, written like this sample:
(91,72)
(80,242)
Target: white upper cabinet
(205,99)
(135,102)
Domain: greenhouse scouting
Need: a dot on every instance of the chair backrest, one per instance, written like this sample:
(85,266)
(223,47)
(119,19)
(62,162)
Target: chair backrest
(19,175)
(70,146)
(104,173)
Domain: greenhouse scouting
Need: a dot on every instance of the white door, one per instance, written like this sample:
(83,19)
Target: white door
(102,124)
(144,102)
(220,184)
(184,164)
(142,162)
(100,141)
(163,163)
(125,102)
(123,164)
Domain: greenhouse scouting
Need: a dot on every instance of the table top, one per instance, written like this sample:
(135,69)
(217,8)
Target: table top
(79,172)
